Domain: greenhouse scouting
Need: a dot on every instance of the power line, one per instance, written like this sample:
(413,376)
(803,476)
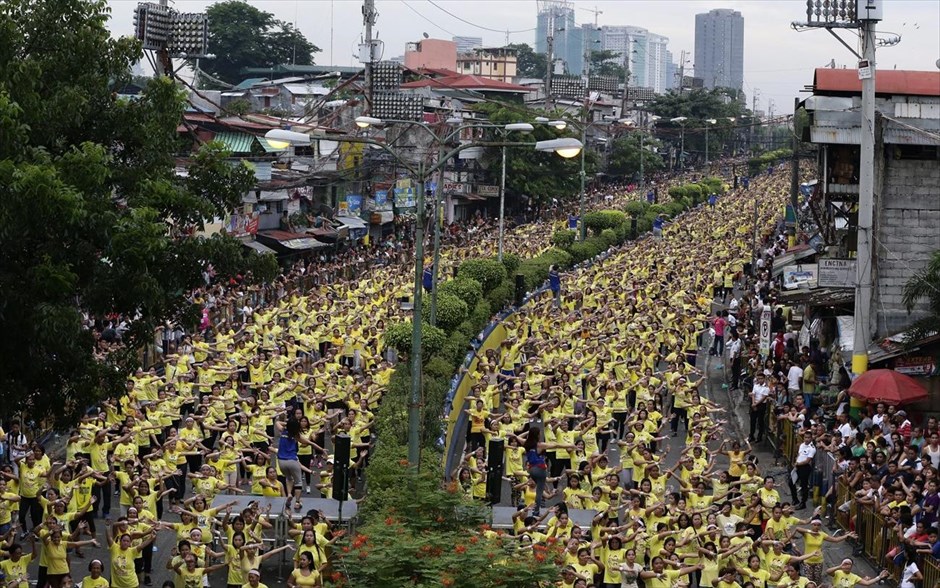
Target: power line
(413,9)
(508,32)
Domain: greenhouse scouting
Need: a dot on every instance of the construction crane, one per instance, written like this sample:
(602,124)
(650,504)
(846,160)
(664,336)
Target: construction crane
(595,11)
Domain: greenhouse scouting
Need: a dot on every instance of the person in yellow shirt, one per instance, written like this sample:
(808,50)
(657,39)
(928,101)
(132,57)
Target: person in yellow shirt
(843,577)
(57,562)
(31,478)
(305,575)
(95,579)
(190,576)
(14,566)
(813,539)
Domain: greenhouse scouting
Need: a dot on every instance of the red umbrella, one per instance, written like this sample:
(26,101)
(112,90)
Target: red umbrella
(887,386)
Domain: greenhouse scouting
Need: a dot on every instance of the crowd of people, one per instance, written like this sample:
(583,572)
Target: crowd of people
(590,386)
(586,393)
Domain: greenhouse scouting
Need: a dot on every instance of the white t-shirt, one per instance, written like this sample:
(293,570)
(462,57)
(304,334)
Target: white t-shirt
(761,392)
(909,573)
(806,453)
(847,431)
(793,377)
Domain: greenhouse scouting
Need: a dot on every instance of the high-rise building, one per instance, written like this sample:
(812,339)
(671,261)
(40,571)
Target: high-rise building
(467,44)
(719,48)
(556,19)
(643,53)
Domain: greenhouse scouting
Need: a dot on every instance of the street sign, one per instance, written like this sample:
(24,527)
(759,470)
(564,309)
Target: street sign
(483,190)
(765,331)
(836,273)
(455,187)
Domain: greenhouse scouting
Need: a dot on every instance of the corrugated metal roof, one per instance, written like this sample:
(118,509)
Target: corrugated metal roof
(851,136)
(890,81)
(249,83)
(236,142)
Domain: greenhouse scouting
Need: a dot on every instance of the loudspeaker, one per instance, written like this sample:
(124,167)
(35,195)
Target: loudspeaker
(633,227)
(520,289)
(341,467)
(494,471)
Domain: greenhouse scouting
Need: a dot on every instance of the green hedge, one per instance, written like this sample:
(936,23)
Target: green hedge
(603,219)
(488,272)
(466,289)
(398,337)
(563,238)
(756,165)
(451,310)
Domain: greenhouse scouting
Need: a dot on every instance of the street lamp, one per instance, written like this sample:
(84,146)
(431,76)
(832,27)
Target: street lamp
(708,123)
(680,120)
(364,122)
(566,147)
(521,128)
(281,139)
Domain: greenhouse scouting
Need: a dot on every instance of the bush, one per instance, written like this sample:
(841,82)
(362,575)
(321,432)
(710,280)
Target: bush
(511,262)
(609,236)
(655,209)
(535,270)
(499,297)
(676,208)
(451,311)
(466,289)
(645,222)
(584,250)
(636,208)
(455,348)
(677,192)
(488,272)
(439,367)
(398,337)
(563,238)
(603,219)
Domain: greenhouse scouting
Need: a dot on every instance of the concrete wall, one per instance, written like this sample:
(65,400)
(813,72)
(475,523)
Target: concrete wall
(907,233)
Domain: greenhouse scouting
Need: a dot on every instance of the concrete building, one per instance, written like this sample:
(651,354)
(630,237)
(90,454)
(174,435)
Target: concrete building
(648,59)
(907,179)
(719,48)
(431,54)
(467,44)
(556,19)
(497,63)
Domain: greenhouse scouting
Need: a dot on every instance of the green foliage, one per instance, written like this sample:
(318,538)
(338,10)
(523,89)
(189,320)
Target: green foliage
(243,36)
(439,367)
(511,262)
(758,164)
(466,289)
(418,533)
(535,270)
(94,216)
(637,207)
(398,337)
(529,64)
(487,272)
(628,152)
(609,236)
(500,296)
(564,237)
(924,287)
(451,310)
(603,219)
(607,63)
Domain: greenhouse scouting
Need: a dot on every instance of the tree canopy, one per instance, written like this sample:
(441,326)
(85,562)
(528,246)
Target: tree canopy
(625,156)
(607,63)
(241,36)
(529,64)
(537,175)
(91,204)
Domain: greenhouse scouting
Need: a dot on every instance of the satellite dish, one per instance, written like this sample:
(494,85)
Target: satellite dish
(426,36)
(938,64)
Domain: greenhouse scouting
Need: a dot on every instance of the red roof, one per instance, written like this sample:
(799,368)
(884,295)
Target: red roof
(468,82)
(889,81)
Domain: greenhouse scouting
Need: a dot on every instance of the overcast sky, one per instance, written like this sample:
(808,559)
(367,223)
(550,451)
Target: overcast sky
(778,61)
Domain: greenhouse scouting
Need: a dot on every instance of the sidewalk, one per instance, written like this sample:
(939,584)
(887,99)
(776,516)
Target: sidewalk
(738,407)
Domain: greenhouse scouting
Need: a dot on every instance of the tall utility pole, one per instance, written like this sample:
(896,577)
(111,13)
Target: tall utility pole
(795,165)
(861,15)
(549,65)
(681,71)
(750,130)
(368,19)
(866,197)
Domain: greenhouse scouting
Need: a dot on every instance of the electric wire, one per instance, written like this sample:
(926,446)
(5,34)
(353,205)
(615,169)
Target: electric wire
(465,21)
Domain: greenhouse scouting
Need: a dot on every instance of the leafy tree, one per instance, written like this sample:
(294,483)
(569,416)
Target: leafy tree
(541,176)
(924,286)
(624,159)
(243,36)
(607,63)
(529,64)
(91,204)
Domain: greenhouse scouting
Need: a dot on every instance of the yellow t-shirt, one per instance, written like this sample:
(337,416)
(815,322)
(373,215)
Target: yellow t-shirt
(31,479)
(305,581)
(122,567)
(17,569)
(100,582)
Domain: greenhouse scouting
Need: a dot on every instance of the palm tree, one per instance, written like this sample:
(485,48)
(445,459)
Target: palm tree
(925,284)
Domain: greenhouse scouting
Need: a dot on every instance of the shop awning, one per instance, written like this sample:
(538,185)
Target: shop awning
(792,256)
(258,247)
(352,222)
(288,241)
(236,142)
(817,297)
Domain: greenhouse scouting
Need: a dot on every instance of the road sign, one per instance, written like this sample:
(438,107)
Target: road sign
(836,273)
(765,331)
